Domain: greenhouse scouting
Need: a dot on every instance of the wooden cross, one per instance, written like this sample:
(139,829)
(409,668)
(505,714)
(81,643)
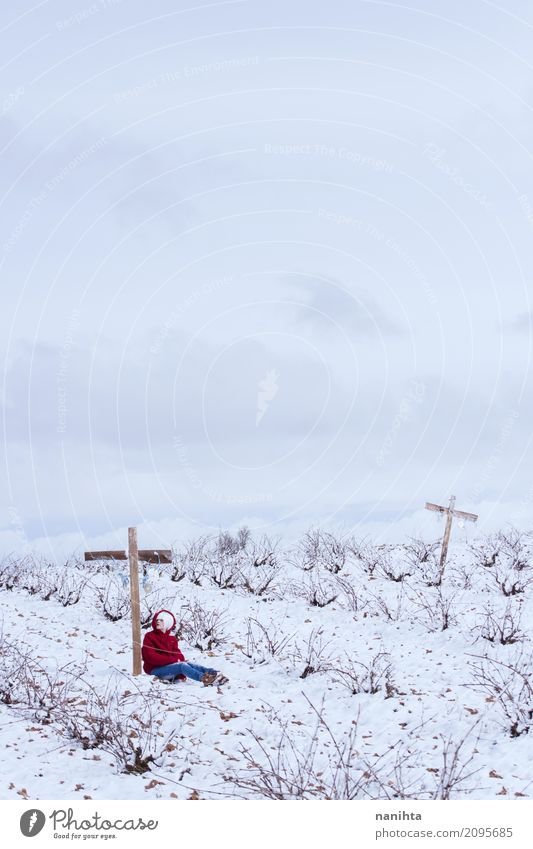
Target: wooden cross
(158,555)
(451,512)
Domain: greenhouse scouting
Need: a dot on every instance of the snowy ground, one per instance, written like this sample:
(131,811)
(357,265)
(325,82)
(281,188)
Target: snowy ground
(435,727)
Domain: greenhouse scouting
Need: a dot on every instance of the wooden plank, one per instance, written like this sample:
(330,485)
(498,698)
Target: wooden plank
(135,601)
(106,555)
(437,507)
(470,517)
(155,555)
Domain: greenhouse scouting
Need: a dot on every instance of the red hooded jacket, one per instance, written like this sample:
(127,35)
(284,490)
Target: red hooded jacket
(160,647)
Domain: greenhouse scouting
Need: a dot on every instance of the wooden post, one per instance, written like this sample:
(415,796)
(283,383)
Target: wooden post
(450,513)
(133,552)
(446,537)
(150,555)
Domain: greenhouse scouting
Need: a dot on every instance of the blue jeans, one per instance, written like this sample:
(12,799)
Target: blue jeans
(190,670)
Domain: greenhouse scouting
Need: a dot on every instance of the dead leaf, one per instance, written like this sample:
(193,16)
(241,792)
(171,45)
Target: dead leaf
(502,792)
(153,783)
(194,795)
(472,711)
(494,774)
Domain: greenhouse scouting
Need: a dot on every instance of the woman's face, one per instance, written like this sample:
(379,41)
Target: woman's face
(159,624)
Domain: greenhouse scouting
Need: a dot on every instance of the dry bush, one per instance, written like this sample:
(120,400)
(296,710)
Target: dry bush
(316,589)
(126,725)
(320,550)
(391,566)
(446,781)
(501,625)
(312,655)
(424,560)
(264,642)
(371,557)
(225,557)
(391,606)
(202,628)
(28,686)
(191,560)
(64,583)
(113,599)
(435,607)
(351,595)
(316,764)
(508,686)
(13,571)
(259,569)
(372,677)
(511,547)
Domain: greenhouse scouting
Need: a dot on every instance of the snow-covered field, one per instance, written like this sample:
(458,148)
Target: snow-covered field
(354,673)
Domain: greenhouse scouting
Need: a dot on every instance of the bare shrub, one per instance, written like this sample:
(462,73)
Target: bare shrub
(509,580)
(312,656)
(463,574)
(317,589)
(508,558)
(446,780)
(200,627)
(351,596)
(424,560)
(501,625)
(259,569)
(27,685)
(454,771)
(390,607)
(393,567)
(316,763)
(435,608)
(371,557)
(225,557)
(372,677)
(126,725)
(12,571)
(296,768)
(320,550)
(191,560)
(264,642)
(113,599)
(64,583)
(508,686)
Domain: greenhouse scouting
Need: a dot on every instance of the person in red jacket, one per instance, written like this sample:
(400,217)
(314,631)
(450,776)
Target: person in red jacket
(162,656)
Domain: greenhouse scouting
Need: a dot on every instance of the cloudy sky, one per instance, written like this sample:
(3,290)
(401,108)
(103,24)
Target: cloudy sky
(264,263)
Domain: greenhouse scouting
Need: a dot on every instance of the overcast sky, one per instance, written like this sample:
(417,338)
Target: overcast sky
(264,263)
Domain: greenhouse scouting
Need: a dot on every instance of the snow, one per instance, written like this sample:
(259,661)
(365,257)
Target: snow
(400,734)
